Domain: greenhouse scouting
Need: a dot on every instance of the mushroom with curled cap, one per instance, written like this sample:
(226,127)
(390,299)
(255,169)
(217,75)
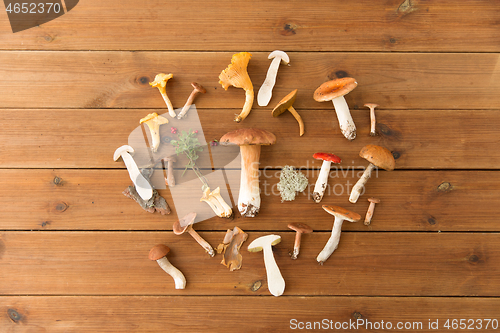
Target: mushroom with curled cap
(378,157)
(142,185)
(286,104)
(250,140)
(341,215)
(371,209)
(160,82)
(373,122)
(153,120)
(159,253)
(322,181)
(335,91)
(300,229)
(236,75)
(275,281)
(266,90)
(186,225)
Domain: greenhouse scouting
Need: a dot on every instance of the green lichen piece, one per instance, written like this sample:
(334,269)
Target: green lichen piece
(291,182)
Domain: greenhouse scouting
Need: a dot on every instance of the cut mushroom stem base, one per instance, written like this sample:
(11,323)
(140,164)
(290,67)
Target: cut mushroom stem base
(346,123)
(249,95)
(202,242)
(249,196)
(360,184)
(333,241)
(322,181)
(179,279)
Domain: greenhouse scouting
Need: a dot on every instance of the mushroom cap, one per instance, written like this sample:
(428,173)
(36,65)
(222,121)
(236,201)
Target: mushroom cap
(371,105)
(236,74)
(154,116)
(374,200)
(327,157)
(259,243)
(378,156)
(300,227)
(343,213)
(158,251)
(277,53)
(181,226)
(334,88)
(248,136)
(122,149)
(198,87)
(161,80)
(285,103)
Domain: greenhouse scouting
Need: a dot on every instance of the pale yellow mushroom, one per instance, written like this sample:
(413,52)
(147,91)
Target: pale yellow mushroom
(160,82)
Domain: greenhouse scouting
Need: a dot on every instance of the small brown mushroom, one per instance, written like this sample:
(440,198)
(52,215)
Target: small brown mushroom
(286,104)
(373,122)
(159,253)
(371,209)
(186,225)
(300,228)
(170,180)
(198,88)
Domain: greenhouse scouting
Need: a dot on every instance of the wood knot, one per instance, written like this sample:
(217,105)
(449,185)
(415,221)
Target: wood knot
(473,259)
(62,206)
(432,220)
(256,286)
(396,155)
(357,315)
(14,315)
(143,80)
(289,29)
(57,181)
(445,187)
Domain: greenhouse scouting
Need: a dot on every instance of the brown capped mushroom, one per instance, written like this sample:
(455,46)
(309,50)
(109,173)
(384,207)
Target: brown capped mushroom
(286,104)
(300,228)
(371,209)
(197,89)
(159,253)
(186,225)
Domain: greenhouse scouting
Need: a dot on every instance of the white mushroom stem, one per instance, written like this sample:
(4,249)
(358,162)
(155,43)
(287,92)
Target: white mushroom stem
(346,123)
(170,107)
(170,173)
(266,90)
(275,281)
(179,279)
(249,95)
(201,241)
(154,129)
(322,181)
(142,186)
(249,196)
(373,121)
(333,241)
(358,187)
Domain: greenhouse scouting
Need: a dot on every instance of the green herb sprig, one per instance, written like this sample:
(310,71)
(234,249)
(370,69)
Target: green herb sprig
(189,145)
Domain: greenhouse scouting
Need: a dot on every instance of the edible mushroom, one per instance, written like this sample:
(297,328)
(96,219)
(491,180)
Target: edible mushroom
(216,202)
(250,141)
(197,89)
(142,185)
(334,91)
(322,181)
(373,122)
(170,180)
(378,157)
(300,229)
(266,90)
(236,75)
(159,253)
(341,215)
(275,281)
(160,82)
(186,225)
(153,120)
(371,209)
(286,104)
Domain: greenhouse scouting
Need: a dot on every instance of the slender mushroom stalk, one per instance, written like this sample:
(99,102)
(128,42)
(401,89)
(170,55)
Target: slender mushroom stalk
(286,104)
(153,120)
(334,91)
(160,82)
(373,122)
(159,253)
(371,209)
(300,229)
(186,225)
(216,202)
(340,215)
(322,181)
(170,180)
(275,281)
(266,90)
(378,157)
(236,75)
(197,89)
(142,185)
(250,141)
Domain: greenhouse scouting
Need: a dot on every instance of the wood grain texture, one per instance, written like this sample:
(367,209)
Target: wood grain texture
(391,25)
(120,79)
(365,264)
(222,314)
(435,139)
(93,200)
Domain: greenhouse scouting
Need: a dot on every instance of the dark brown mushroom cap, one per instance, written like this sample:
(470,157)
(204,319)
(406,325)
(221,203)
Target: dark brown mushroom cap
(181,226)
(300,227)
(248,136)
(342,213)
(285,103)
(198,87)
(374,200)
(378,156)
(334,88)
(158,251)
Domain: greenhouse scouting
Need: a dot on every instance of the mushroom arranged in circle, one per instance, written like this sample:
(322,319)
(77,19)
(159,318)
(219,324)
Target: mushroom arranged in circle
(378,157)
(266,90)
(159,253)
(373,121)
(371,209)
(160,82)
(341,215)
(300,229)
(153,120)
(250,141)
(322,181)
(186,225)
(334,91)
(286,104)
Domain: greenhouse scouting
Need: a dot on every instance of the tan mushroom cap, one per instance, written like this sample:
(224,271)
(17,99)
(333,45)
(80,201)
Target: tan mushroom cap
(334,88)
(158,251)
(374,200)
(342,213)
(180,226)
(248,136)
(378,156)
(198,87)
(285,103)
(300,227)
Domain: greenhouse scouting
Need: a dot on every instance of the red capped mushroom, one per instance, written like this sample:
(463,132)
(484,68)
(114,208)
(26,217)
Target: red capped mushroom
(319,188)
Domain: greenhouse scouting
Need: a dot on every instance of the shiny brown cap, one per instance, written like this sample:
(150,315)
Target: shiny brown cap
(378,156)
(182,225)
(343,213)
(374,200)
(158,251)
(198,87)
(285,103)
(300,227)
(248,136)
(334,88)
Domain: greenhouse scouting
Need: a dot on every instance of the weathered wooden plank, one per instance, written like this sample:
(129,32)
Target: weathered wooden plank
(120,79)
(369,264)
(93,200)
(393,25)
(216,314)
(88,138)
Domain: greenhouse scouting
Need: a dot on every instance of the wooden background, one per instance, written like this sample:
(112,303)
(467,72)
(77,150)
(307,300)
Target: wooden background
(73,249)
